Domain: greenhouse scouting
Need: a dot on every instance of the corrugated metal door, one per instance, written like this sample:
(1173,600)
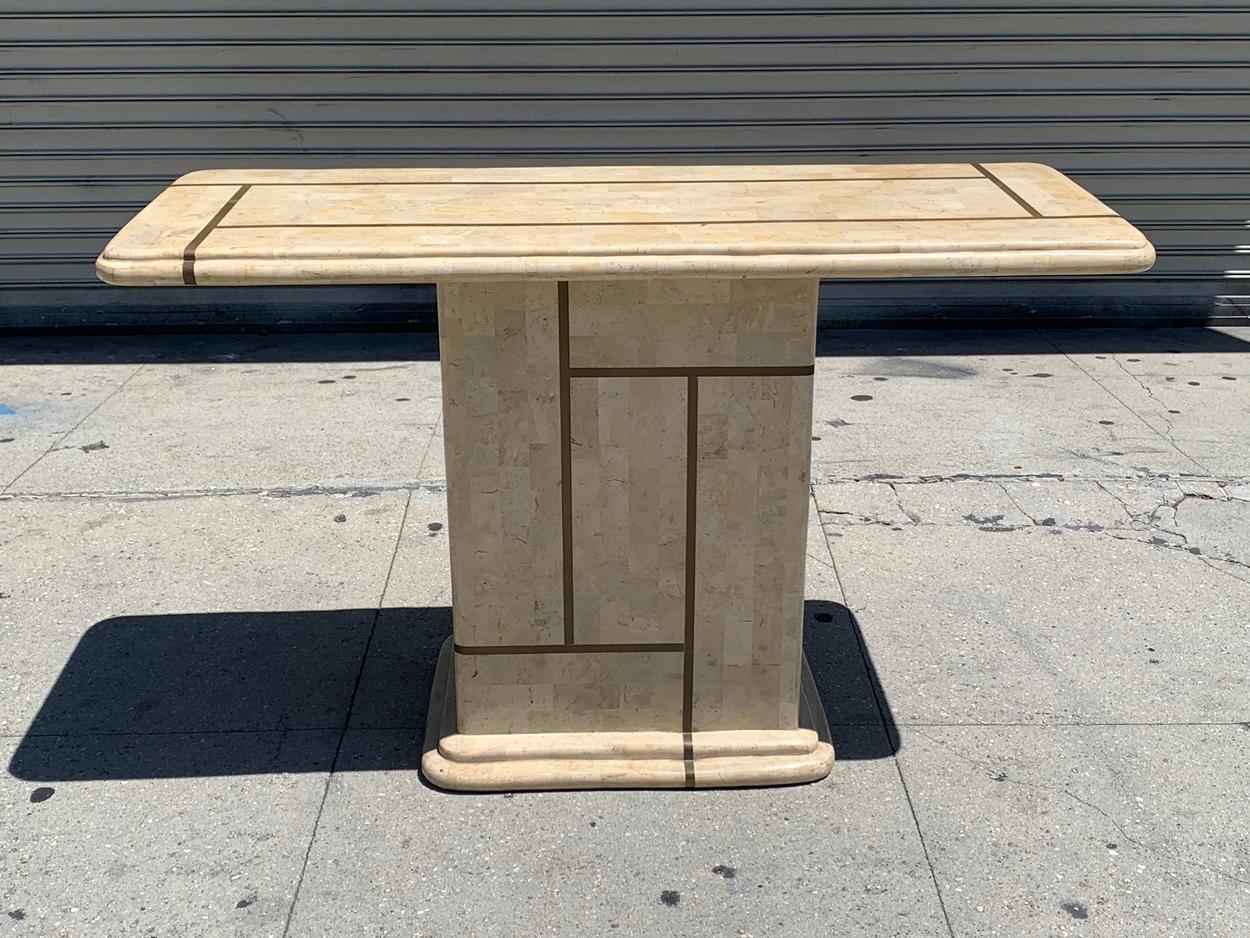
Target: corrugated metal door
(1143,101)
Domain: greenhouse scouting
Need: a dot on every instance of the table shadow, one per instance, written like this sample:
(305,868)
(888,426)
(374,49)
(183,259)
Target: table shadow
(245,693)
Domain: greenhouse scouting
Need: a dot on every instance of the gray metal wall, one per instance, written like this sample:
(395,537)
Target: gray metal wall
(1143,101)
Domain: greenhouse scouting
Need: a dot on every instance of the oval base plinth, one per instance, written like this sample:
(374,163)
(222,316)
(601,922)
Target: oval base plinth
(644,759)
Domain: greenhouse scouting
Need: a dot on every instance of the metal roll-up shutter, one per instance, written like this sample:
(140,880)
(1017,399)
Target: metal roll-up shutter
(1142,101)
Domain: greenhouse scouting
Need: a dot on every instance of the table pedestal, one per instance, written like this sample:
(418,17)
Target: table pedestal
(627,483)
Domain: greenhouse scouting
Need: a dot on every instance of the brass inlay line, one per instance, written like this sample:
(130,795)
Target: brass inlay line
(1007,189)
(665,223)
(692,491)
(710,371)
(566,457)
(188,253)
(569,649)
(577,182)
(687,753)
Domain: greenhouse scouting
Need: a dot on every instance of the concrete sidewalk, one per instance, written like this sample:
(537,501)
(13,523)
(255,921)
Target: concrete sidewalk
(223,583)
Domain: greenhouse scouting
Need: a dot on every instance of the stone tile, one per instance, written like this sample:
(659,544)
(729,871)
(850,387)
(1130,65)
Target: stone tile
(395,857)
(240,424)
(962,405)
(188,853)
(987,623)
(1118,831)
(175,615)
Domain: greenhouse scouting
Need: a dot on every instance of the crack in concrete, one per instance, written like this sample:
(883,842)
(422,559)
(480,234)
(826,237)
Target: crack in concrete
(345,491)
(1000,776)
(1011,498)
(1213,562)
(1166,436)
(814,559)
(1140,473)
(1150,394)
(1128,512)
(1152,527)
(898,501)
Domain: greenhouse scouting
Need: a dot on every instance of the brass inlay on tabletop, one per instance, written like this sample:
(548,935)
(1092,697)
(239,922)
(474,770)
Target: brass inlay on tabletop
(188,253)
(1007,189)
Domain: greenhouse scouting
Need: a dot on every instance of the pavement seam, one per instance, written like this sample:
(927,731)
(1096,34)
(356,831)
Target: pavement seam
(304,491)
(1001,776)
(347,718)
(887,725)
(898,767)
(429,444)
(1167,437)
(438,486)
(64,436)
(938,479)
(1143,527)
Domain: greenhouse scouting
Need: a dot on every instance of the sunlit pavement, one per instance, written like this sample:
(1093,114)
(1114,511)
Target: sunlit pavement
(224,581)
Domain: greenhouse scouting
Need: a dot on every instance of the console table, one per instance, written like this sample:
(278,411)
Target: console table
(627,359)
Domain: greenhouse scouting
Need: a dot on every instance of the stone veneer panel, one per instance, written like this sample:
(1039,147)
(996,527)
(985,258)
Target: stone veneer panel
(657,551)
(754,443)
(629,509)
(569,692)
(501,409)
(691,323)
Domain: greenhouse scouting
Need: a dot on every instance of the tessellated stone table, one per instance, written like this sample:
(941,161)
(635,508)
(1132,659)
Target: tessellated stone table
(627,358)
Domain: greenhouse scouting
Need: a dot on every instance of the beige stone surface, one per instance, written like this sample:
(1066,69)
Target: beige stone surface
(754,451)
(501,419)
(1045,191)
(419,175)
(397,225)
(569,691)
(629,513)
(692,323)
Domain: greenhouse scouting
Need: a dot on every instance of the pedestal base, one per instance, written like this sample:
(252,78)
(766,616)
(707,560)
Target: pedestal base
(640,759)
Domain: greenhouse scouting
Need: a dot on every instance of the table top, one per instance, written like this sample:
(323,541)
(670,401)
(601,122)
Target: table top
(271,226)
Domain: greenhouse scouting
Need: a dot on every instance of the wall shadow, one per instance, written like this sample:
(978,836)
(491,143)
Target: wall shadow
(234,693)
(210,349)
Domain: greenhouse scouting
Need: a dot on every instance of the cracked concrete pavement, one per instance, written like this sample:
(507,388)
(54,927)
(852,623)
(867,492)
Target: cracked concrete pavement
(223,585)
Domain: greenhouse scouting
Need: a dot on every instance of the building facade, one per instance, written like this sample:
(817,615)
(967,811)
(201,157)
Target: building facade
(1141,101)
